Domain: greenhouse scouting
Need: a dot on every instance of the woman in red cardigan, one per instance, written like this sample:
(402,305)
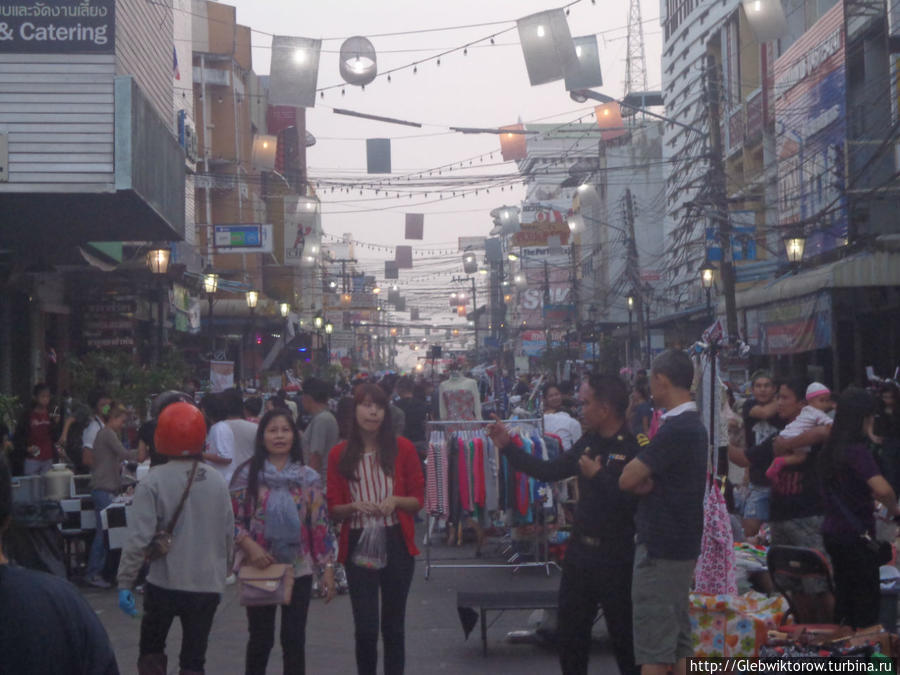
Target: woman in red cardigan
(375,477)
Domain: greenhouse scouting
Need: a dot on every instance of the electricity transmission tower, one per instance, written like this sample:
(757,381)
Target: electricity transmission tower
(636,58)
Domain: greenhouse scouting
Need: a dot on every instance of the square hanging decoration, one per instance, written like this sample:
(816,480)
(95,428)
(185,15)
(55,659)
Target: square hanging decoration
(294,71)
(378,155)
(588,72)
(609,120)
(403,256)
(513,146)
(461,311)
(393,297)
(400,305)
(415,225)
(413,313)
(390,270)
(547,46)
(263,153)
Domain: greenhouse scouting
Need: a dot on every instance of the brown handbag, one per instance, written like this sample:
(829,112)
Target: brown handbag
(161,543)
(270,586)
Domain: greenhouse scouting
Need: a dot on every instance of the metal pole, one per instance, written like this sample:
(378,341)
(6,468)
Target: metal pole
(475,315)
(628,344)
(212,336)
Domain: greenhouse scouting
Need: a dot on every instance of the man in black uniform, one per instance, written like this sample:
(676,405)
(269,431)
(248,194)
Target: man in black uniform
(600,555)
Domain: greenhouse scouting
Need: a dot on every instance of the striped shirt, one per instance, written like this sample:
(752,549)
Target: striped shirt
(373,486)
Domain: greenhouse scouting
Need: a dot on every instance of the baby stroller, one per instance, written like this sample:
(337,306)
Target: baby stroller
(803,577)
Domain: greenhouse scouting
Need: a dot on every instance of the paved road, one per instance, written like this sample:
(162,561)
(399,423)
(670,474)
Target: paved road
(435,642)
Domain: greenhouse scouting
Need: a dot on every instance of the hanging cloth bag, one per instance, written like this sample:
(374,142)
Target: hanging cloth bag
(714,574)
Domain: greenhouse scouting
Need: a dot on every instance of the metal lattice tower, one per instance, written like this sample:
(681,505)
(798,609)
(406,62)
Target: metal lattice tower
(636,58)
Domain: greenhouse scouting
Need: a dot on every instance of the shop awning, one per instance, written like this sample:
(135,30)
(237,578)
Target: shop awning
(880,268)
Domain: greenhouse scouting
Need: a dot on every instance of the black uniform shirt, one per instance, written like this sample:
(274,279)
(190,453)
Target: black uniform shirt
(604,512)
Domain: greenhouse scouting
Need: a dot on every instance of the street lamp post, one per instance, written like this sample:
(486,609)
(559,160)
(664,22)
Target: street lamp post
(630,302)
(794,246)
(210,285)
(329,329)
(284,309)
(158,262)
(252,298)
(707,280)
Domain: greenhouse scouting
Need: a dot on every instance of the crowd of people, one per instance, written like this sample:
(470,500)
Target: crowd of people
(324,491)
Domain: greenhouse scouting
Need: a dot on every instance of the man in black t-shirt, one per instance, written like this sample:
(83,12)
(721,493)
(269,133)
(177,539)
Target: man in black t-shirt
(597,567)
(761,422)
(670,477)
(46,627)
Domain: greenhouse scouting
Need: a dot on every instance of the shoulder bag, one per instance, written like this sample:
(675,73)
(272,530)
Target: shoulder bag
(257,587)
(161,543)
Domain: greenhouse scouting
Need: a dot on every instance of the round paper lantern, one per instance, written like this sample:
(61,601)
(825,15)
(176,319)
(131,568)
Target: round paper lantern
(359,64)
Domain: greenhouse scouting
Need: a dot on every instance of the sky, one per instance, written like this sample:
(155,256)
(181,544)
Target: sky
(487,87)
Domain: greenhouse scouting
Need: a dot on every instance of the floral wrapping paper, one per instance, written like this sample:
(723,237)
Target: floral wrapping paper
(733,625)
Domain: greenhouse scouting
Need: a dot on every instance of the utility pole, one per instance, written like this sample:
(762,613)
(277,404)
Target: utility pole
(344,279)
(546,305)
(634,271)
(719,195)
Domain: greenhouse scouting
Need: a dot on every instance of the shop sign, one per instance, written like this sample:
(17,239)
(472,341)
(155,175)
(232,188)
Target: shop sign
(301,228)
(810,147)
(238,236)
(472,243)
(58,27)
(791,326)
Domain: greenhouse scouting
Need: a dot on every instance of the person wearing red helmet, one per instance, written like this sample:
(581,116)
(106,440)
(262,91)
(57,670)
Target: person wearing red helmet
(189,580)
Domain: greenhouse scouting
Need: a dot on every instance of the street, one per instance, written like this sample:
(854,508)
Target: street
(434,637)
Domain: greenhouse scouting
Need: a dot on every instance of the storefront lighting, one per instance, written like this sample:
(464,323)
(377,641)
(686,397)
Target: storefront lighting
(707,275)
(252,299)
(210,281)
(158,260)
(794,247)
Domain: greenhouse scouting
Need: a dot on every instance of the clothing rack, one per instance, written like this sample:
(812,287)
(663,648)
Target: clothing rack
(541,549)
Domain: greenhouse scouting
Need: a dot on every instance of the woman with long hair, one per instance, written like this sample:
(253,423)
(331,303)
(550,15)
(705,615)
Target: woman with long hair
(374,478)
(850,479)
(556,420)
(281,516)
(886,433)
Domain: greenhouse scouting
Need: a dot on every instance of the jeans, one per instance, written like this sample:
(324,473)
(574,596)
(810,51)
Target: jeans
(261,622)
(196,612)
(97,556)
(37,467)
(393,581)
(857,591)
(582,589)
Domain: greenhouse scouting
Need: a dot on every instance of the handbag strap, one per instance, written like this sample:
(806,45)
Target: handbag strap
(184,496)
(849,516)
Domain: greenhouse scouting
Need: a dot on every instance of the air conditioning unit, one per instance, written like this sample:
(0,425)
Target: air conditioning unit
(187,136)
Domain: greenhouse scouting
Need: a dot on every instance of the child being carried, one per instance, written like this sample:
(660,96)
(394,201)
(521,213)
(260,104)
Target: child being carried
(814,414)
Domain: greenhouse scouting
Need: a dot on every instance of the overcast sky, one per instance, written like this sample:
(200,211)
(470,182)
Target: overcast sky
(487,88)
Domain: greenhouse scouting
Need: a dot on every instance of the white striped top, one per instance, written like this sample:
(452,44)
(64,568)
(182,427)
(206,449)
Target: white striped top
(373,486)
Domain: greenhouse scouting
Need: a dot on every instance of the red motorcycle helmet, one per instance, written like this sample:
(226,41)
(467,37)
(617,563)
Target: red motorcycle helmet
(180,430)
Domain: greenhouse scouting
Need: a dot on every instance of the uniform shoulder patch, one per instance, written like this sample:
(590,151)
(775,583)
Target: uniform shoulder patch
(642,440)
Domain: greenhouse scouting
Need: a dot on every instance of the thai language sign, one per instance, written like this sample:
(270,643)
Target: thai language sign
(791,326)
(58,27)
(811,132)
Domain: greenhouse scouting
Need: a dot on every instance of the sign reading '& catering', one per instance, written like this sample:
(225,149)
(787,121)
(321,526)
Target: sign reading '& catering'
(58,27)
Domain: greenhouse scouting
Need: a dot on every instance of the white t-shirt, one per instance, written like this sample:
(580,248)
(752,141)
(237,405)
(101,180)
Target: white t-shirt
(90,432)
(220,441)
(565,426)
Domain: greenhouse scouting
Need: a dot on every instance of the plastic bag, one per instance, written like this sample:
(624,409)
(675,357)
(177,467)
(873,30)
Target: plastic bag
(371,549)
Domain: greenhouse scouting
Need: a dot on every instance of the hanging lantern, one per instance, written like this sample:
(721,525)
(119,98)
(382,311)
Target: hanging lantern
(513,146)
(358,61)
(794,246)
(264,151)
(588,73)
(609,119)
(294,71)
(766,18)
(547,46)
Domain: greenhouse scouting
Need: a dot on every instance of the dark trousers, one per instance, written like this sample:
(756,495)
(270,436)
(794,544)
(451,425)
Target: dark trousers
(261,622)
(856,583)
(393,582)
(582,589)
(196,612)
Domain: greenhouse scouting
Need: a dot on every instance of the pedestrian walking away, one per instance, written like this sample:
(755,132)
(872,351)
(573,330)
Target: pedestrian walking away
(599,558)
(281,518)
(188,501)
(375,480)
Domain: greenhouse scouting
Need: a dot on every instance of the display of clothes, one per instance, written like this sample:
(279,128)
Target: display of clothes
(459,398)
(467,475)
